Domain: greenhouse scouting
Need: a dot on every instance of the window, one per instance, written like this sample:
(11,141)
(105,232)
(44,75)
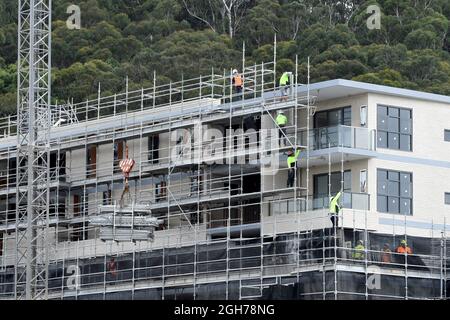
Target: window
(161,191)
(363,116)
(1,243)
(394,192)
(447,135)
(119,147)
(394,128)
(447,198)
(78,232)
(321,187)
(107,197)
(153,149)
(363,181)
(334,117)
(91,161)
(79,204)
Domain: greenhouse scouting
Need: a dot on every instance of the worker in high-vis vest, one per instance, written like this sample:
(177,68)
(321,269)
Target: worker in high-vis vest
(281,122)
(358,252)
(335,208)
(238,83)
(285,83)
(292,164)
(403,248)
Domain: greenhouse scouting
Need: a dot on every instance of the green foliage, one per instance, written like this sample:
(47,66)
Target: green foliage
(134,38)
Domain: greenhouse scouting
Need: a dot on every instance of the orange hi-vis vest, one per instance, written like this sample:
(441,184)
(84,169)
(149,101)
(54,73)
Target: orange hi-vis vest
(406,250)
(238,82)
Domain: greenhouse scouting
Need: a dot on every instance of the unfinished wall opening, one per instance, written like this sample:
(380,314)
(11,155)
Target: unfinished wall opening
(57,206)
(2,236)
(161,191)
(107,197)
(78,232)
(79,205)
(153,149)
(118,154)
(3,173)
(91,161)
(58,165)
(12,171)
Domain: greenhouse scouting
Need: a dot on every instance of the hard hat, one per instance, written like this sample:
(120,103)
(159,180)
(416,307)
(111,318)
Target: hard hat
(360,242)
(235,71)
(403,242)
(280,112)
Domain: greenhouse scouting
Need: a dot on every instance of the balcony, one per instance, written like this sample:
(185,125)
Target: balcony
(282,217)
(337,143)
(350,200)
(339,137)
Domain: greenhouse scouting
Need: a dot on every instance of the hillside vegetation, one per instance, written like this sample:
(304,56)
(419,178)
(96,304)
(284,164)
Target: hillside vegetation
(187,38)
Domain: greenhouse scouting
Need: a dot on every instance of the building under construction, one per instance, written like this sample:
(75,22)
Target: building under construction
(208,210)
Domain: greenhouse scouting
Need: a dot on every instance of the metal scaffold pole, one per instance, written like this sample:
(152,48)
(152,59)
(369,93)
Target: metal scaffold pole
(33,128)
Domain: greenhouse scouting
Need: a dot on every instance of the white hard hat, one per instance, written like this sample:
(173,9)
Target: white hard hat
(280,112)
(235,71)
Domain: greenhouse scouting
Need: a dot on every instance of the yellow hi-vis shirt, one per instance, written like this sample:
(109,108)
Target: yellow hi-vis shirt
(334,206)
(292,159)
(284,79)
(282,120)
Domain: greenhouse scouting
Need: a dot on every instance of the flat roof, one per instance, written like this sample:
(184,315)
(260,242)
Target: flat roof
(340,88)
(326,90)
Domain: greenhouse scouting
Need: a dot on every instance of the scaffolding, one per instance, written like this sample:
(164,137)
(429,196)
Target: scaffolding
(32,155)
(225,226)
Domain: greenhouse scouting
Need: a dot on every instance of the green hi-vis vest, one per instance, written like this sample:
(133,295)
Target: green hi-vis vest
(334,205)
(359,252)
(292,159)
(284,79)
(281,120)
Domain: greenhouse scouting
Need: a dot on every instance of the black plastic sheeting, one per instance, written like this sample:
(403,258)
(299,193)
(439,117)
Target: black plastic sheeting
(212,291)
(351,286)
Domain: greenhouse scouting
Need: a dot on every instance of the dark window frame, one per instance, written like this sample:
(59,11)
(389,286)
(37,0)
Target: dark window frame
(388,132)
(391,181)
(447,135)
(153,148)
(341,109)
(321,199)
(317,176)
(447,198)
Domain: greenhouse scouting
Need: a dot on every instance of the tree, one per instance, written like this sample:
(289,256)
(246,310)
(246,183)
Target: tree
(262,22)
(217,14)
(422,39)
(294,16)
(79,81)
(174,37)
(386,77)
(423,68)
(175,56)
